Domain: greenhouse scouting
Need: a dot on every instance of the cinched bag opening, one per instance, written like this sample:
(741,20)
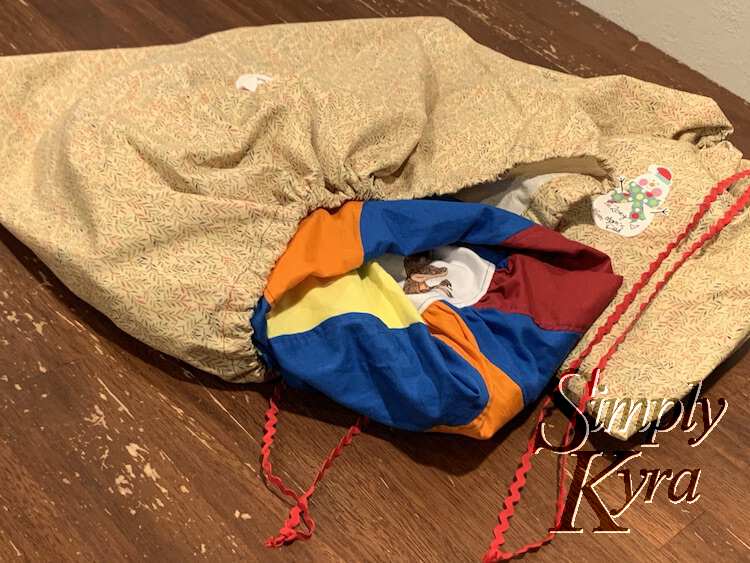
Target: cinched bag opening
(429,314)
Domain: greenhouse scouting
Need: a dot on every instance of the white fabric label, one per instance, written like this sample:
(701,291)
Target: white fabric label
(250,82)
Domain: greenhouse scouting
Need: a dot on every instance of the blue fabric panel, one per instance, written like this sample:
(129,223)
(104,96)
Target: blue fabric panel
(260,335)
(513,342)
(411,226)
(400,377)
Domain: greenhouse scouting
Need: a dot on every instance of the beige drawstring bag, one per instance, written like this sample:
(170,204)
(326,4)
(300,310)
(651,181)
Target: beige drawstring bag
(162,194)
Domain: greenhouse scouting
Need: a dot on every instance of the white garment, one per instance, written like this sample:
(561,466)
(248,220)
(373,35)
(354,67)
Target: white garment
(466,278)
(513,194)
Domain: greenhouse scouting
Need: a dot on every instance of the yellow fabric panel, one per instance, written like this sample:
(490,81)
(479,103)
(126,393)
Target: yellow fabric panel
(369,289)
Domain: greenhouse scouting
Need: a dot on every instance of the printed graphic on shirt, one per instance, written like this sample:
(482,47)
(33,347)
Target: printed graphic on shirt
(630,208)
(419,272)
(449,273)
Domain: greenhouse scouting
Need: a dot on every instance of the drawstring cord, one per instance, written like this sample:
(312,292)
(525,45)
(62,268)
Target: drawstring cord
(300,512)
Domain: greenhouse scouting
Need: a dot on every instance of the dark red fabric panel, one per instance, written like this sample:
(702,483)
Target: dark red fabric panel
(561,284)
(553,248)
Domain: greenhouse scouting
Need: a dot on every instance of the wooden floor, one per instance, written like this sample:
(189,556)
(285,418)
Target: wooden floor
(111,451)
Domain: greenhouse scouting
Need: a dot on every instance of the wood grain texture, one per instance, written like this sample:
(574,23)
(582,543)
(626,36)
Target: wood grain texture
(112,451)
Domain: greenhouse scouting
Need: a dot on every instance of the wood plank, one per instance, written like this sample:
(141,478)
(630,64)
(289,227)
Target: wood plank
(708,539)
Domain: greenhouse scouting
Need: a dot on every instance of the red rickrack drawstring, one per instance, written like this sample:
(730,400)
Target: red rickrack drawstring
(495,552)
(300,512)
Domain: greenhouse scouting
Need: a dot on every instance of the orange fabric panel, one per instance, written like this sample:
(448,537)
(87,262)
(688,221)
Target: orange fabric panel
(326,244)
(505,397)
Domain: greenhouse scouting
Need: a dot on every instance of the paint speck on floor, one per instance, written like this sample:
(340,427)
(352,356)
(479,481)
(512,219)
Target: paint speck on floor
(135,451)
(123,485)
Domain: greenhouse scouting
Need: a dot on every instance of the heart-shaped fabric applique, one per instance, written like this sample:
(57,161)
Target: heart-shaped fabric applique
(629,209)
